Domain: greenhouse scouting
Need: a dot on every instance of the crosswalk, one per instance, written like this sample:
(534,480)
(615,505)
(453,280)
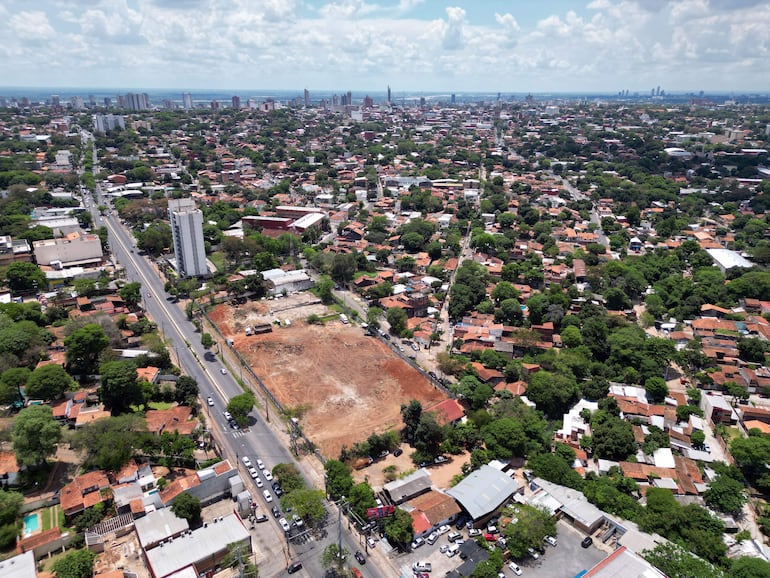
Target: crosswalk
(239,433)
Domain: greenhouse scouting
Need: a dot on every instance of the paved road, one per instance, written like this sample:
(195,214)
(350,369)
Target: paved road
(258,441)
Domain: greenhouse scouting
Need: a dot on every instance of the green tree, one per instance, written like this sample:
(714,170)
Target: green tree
(410,414)
(656,389)
(11,382)
(131,293)
(725,494)
(119,389)
(240,406)
(334,558)
(206,340)
(533,525)
(339,481)
(289,477)
(554,468)
(428,438)
(186,390)
(25,277)
(396,318)
(188,507)
(505,438)
(324,287)
(361,498)
(109,443)
(75,564)
(307,503)
(749,567)
(48,382)
(35,435)
(673,560)
(399,529)
(613,438)
(84,346)
(552,393)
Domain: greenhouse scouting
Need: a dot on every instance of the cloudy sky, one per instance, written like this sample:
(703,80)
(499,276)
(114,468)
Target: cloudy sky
(429,45)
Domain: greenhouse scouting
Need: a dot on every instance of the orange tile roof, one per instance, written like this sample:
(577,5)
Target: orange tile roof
(83,492)
(44,537)
(420,522)
(436,506)
(173,419)
(8,463)
(447,411)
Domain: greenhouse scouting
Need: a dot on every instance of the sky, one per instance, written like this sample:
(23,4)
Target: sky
(504,46)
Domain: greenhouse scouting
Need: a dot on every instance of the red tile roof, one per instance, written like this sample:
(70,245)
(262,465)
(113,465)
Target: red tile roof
(447,411)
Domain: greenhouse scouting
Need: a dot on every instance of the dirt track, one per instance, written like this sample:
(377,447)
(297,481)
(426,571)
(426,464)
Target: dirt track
(351,384)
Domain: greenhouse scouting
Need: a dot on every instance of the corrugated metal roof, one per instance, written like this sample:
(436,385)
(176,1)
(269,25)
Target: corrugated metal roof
(483,491)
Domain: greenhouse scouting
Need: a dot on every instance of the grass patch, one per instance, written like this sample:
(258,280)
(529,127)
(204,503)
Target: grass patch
(219,261)
(159,405)
(370,275)
(45,518)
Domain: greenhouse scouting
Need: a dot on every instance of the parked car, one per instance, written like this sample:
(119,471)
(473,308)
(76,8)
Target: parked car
(443,529)
(454,536)
(268,496)
(356,573)
(360,557)
(259,483)
(223,371)
(284,524)
(260,464)
(431,539)
(246,461)
(370,541)
(210,401)
(440,460)
(227,415)
(397,452)
(276,512)
(550,540)
(294,567)
(297,521)
(532,553)
(492,529)
(278,491)
(514,568)
(253,473)
(474,532)
(490,537)
(261,518)
(268,475)
(422,566)
(453,550)
(417,543)
(444,548)
(587,541)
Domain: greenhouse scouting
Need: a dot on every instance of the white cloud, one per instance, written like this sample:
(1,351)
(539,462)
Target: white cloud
(31,26)
(452,28)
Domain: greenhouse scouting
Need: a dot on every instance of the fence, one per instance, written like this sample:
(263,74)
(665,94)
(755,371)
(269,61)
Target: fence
(295,431)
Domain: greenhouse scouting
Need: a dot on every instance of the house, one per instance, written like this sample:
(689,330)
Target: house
(84,492)
(278,281)
(623,562)
(9,468)
(21,566)
(200,550)
(159,526)
(718,410)
(175,419)
(437,508)
(408,487)
(448,411)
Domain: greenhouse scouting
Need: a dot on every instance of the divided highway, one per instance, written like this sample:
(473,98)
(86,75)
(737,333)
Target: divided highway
(257,442)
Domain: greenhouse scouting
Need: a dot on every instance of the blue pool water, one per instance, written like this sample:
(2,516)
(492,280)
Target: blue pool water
(31,524)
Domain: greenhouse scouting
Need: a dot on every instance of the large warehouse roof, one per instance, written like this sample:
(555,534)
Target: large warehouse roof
(483,491)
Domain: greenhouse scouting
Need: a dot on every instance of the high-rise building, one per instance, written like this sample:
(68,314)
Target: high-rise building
(55,100)
(350,98)
(236,102)
(368,101)
(104,122)
(187,102)
(107,102)
(307,98)
(214,105)
(454,98)
(388,94)
(187,233)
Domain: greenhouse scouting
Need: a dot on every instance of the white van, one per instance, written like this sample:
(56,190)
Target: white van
(422,567)
(453,550)
(344,318)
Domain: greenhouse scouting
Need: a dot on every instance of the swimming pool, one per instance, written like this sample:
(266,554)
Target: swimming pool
(31,524)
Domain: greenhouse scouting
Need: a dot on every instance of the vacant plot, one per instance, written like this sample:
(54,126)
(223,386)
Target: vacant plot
(349,384)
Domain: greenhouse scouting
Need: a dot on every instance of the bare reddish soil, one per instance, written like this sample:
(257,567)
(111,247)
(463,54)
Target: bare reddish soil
(350,384)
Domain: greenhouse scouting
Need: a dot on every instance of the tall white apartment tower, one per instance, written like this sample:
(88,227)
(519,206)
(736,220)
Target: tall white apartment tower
(187,233)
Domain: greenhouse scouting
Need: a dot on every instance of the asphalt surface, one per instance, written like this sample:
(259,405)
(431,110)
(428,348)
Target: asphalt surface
(257,441)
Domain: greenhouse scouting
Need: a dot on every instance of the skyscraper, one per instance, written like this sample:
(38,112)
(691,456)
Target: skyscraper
(388,94)
(307,98)
(187,100)
(187,233)
(236,102)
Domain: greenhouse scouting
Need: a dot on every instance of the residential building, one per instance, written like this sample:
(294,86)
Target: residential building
(187,232)
(14,250)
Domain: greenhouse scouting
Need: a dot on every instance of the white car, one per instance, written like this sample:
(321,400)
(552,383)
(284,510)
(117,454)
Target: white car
(253,473)
(246,461)
(515,568)
(371,542)
(227,415)
(268,475)
(268,496)
(443,529)
(210,401)
(532,553)
(284,524)
(223,371)
(551,540)
(260,464)
(259,483)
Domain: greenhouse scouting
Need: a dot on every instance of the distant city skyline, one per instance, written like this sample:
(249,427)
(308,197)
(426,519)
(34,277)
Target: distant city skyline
(513,46)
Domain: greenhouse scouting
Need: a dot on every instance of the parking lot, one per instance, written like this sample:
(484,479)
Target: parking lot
(567,559)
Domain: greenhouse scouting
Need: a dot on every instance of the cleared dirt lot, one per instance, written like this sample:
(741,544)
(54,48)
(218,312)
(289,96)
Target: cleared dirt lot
(350,384)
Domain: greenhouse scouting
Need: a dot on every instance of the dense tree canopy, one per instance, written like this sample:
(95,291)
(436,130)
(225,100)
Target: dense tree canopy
(35,435)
